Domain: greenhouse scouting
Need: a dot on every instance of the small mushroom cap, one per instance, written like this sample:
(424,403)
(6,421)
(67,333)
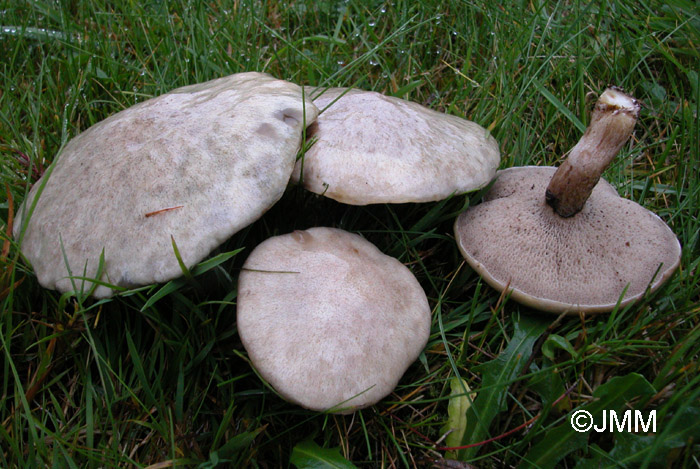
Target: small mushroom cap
(328,320)
(198,164)
(556,264)
(373,148)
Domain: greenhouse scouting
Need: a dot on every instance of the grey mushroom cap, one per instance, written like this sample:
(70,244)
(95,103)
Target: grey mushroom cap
(372,148)
(613,248)
(329,321)
(194,165)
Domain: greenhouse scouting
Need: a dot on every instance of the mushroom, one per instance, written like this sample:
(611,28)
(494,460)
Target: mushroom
(539,234)
(372,148)
(190,168)
(329,321)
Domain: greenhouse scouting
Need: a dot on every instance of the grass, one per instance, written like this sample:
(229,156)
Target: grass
(158,376)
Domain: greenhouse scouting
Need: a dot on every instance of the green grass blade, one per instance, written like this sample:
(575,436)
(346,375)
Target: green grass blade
(497,376)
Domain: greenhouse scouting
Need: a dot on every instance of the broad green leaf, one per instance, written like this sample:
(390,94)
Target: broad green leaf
(634,449)
(618,391)
(308,455)
(655,91)
(461,399)
(563,439)
(556,341)
(548,384)
(556,443)
(598,460)
(497,376)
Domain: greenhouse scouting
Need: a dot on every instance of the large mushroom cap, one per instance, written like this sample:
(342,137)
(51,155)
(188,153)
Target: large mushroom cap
(198,164)
(328,320)
(372,148)
(556,264)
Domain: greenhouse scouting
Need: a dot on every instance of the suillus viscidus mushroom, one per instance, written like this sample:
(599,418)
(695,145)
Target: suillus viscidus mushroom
(194,165)
(328,320)
(562,239)
(370,148)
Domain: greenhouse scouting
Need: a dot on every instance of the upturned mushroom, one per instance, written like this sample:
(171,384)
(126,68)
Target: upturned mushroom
(192,166)
(370,148)
(329,321)
(563,240)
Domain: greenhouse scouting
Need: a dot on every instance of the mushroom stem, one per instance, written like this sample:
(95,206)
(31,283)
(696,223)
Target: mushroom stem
(613,119)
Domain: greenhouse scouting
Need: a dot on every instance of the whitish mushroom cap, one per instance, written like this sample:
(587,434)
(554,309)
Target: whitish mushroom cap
(372,148)
(328,320)
(556,264)
(198,164)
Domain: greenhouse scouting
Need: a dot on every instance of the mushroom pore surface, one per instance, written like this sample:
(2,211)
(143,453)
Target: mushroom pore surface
(581,263)
(328,320)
